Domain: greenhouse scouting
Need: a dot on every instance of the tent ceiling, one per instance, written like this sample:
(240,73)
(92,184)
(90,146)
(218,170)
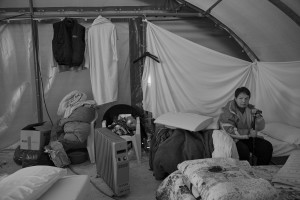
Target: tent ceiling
(269,27)
(292,4)
(290,7)
(80,3)
(117,5)
(268,31)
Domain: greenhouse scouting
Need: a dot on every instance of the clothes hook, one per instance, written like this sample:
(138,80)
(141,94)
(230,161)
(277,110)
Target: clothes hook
(145,18)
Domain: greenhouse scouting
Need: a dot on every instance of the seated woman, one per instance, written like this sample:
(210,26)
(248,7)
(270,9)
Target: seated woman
(241,121)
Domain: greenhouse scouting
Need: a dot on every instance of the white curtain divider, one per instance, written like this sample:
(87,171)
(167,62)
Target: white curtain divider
(191,77)
(278,91)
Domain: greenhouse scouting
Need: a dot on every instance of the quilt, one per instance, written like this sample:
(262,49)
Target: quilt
(178,187)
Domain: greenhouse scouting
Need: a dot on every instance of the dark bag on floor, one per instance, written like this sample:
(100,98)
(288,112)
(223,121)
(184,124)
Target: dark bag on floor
(18,155)
(28,158)
(36,157)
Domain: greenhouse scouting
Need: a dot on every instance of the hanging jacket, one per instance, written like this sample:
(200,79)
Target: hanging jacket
(68,44)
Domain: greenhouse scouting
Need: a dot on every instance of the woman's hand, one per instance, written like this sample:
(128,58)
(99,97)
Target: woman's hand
(253,133)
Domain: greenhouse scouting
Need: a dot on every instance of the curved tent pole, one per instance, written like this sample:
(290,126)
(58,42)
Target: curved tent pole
(245,47)
(34,32)
(210,8)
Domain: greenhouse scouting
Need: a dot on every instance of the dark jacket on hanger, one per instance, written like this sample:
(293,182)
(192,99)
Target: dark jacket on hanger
(68,44)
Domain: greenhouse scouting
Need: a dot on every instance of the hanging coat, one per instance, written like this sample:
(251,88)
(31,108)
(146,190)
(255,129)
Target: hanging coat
(68,44)
(103,60)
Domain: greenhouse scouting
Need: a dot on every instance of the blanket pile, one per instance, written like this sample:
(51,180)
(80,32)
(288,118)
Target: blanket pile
(215,179)
(73,128)
(180,145)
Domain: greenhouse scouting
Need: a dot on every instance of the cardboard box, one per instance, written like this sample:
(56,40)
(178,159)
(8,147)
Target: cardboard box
(32,139)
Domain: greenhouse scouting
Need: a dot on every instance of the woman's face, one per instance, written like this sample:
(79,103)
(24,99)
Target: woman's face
(242,100)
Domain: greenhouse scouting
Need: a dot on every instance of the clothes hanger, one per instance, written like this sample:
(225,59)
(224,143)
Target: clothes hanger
(149,55)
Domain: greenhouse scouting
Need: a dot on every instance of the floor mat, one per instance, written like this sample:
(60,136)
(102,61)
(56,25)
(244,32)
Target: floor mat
(141,180)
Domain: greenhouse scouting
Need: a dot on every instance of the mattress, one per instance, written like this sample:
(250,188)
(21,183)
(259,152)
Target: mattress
(73,187)
(173,187)
(280,148)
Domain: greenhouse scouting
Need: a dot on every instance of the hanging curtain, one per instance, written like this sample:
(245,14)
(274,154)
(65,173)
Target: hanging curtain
(189,76)
(278,91)
(17,105)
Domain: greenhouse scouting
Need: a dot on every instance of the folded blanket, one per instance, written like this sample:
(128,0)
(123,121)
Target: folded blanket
(80,129)
(72,101)
(81,114)
(73,131)
(226,178)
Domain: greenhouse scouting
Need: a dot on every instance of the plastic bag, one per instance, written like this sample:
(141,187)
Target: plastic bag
(57,154)
(28,158)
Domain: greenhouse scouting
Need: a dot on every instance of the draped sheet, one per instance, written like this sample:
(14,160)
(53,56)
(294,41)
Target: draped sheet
(192,77)
(16,82)
(189,76)
(278,91)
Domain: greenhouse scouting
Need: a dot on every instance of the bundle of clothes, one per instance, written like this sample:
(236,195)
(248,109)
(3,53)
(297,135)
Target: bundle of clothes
(69,133)
(73,128)
(124,124)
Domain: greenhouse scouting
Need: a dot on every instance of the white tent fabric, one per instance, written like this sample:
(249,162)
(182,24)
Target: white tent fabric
(192,77)
(189,76)
(17,81)
(269,32)
(278,91)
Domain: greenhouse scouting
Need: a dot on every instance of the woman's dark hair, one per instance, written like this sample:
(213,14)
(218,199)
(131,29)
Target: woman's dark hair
(242,90)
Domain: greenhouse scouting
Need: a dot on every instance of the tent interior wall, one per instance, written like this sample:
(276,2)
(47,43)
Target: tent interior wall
(18,105)
(20,82)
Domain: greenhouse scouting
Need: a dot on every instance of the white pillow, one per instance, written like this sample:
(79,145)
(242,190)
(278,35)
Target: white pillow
(283,132)
(30,183)
(187,121)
